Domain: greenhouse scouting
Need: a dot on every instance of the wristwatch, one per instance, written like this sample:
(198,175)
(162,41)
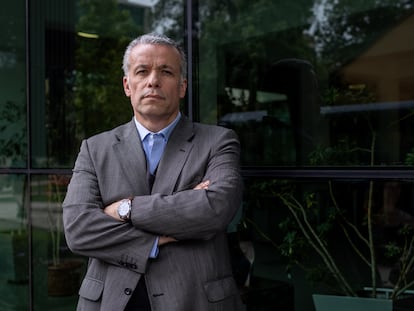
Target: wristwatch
(124,209)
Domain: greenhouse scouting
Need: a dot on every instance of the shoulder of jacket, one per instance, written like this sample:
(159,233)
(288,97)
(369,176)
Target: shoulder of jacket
(117,132)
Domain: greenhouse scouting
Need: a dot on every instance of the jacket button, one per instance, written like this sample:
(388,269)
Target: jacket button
(128,291)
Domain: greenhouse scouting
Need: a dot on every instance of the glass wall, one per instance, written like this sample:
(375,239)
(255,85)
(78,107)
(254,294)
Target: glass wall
(328,236)
(13,139)
(76,77)
(310,83)
(61,82)
(56,272)
(14,242)
(320,93)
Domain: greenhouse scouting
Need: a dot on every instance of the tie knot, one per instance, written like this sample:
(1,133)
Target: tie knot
(158,136)
(156,144)
(153,139)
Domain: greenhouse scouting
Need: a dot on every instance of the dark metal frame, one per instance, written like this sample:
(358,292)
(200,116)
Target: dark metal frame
(316,173)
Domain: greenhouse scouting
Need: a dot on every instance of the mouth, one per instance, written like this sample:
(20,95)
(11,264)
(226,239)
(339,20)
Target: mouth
(153,96)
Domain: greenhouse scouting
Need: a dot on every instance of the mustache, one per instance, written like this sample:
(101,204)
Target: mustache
(151,93)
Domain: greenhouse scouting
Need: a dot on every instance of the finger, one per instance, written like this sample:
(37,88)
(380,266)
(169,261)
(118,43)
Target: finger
(165,239)
(202,185)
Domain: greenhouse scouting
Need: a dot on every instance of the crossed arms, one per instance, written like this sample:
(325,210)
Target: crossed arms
(197,213)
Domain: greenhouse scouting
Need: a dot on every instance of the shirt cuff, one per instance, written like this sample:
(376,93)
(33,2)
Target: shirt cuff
(154,250)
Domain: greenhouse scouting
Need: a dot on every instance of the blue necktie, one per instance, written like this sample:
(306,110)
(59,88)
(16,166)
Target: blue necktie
(156,144)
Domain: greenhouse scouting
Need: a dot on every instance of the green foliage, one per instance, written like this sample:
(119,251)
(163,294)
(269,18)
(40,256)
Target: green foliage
(351,26)
(345,152)
(257,33)
(394,250)
(316,222)
(168,18)
(409,157)
(13,141)
(97,77)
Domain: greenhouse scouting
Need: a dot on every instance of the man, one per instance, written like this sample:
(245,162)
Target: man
(155,233)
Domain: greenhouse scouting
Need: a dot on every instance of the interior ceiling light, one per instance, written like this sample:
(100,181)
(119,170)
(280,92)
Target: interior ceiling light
(358,87)
(88,35)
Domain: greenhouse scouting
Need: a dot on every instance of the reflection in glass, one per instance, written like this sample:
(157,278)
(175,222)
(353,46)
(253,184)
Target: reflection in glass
(57,272)
(338,235)
(14,259)
(13,141)
(77,91)
(323,83)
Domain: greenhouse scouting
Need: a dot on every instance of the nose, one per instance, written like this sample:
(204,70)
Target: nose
(153,79)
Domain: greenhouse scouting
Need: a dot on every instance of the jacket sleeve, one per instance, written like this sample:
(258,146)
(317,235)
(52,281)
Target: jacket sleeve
(92,233)
(197,214)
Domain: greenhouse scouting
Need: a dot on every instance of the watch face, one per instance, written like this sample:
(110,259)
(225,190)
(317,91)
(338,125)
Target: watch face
(124,209)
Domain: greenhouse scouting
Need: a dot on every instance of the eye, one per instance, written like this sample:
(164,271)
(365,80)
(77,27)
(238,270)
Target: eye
(167,72)
(140,72)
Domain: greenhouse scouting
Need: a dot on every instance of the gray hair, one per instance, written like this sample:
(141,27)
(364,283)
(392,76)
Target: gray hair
(153,38)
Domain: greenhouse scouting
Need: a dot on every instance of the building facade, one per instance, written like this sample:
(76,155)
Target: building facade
(320,92)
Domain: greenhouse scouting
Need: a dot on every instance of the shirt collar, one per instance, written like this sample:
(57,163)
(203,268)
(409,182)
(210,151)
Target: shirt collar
(166,131)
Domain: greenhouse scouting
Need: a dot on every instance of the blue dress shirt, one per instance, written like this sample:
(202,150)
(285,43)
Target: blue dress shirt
(143,134)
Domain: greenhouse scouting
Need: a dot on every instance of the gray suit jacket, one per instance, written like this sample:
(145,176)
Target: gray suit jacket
(192,274)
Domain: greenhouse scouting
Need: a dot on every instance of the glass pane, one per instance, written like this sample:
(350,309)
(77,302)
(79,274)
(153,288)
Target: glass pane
(311,234)
(77,78)
(56,271)
(310,83)
(14,243)
(13,142)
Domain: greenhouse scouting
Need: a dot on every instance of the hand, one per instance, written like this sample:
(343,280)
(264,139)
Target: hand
(112,210)
(202,186)
(165,240)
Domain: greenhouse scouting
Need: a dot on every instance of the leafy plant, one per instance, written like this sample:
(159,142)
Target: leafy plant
(361,243)
(310,228)
(409,158)
(55,198)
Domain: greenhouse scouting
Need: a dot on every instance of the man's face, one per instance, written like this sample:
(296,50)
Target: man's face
(154,83)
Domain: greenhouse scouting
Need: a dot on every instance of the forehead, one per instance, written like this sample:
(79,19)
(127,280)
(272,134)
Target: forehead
(155,54)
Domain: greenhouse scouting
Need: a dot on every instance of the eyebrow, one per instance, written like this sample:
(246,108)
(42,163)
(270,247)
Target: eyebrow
(164,66)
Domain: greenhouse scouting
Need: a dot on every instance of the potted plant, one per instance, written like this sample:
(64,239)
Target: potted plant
(12,154)
(63,274)
(307,227)
(19,235)
(363,244)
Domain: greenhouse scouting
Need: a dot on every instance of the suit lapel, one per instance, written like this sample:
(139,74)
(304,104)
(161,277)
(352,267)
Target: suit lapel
(175,154)
(131,156)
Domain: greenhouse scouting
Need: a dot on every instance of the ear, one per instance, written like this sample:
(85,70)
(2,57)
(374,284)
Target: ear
(183,88)
(127,90)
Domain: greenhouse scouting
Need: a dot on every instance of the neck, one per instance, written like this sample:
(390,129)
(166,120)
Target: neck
(155,124)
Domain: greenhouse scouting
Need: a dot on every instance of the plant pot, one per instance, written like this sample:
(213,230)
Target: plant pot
(64,279)
(345,303)
(20,257)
